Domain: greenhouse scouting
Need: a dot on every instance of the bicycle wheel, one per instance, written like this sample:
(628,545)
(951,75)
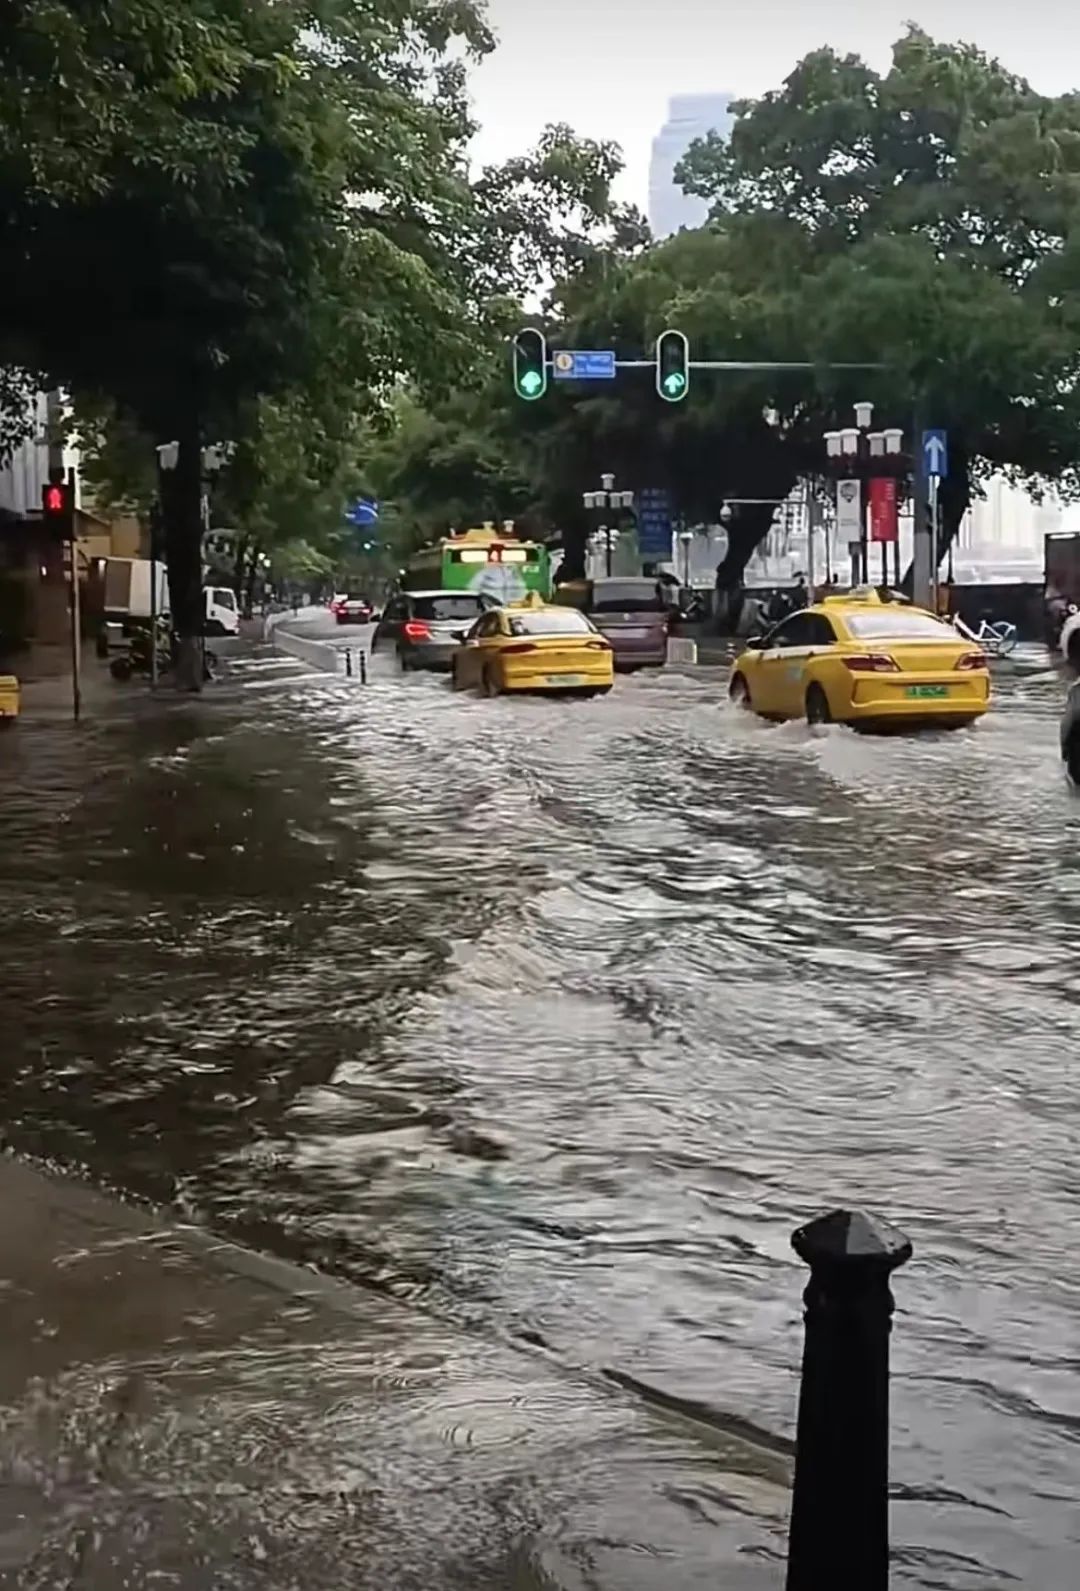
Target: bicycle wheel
(1005,637)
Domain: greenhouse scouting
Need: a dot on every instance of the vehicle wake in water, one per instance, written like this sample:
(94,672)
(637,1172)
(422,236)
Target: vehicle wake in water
(557,1017)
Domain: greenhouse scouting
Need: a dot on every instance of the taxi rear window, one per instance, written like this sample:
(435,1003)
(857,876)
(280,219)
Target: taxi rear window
(567,621)
(898,626)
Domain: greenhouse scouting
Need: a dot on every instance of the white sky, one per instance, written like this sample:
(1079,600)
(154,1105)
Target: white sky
(608,67)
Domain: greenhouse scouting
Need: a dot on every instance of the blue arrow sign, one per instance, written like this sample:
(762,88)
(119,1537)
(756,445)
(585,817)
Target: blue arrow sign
(365,511)
(583,364)
(935,453)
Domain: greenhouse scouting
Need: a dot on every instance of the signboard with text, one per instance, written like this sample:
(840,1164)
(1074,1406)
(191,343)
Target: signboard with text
(884,510)
(652,505)
(849,521)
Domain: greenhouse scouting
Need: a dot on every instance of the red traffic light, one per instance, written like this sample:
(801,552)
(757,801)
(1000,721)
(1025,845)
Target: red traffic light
(54,499)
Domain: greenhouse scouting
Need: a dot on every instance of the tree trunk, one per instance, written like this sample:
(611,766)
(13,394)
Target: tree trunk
(249,585)
(574,538)
(747,529)
(240,565)
(181,496)
(954,500)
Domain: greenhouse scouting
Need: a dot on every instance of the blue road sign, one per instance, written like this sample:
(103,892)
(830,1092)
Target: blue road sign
(364,512)
(583,364)
(653,508)
(935,453)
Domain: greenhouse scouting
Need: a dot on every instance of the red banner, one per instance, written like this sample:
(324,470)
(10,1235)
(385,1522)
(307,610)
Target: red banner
(884,512)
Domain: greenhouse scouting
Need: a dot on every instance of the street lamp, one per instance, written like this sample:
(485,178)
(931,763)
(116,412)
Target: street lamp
(855,445)
(686,537)
(599,503)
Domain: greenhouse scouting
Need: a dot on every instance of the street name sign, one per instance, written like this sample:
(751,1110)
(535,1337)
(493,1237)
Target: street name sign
(583,364)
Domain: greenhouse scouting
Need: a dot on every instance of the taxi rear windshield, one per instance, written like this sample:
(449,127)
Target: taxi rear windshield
(894,626)
(565,622)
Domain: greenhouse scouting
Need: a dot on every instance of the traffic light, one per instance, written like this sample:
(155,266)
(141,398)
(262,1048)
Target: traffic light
(58,509)
(530,364)
(672,366)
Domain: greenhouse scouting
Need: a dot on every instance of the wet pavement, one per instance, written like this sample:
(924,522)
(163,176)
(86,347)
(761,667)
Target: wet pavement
(555,1018)
(229,1421)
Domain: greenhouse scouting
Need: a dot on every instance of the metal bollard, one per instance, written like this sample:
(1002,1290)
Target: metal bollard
(839,1535)
(363,667)
(348,661)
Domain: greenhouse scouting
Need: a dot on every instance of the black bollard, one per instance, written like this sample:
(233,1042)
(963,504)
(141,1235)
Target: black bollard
(348,661)
(839,1537)
(363,667)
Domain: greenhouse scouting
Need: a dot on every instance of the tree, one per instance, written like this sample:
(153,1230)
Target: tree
(925,218)
(240,235)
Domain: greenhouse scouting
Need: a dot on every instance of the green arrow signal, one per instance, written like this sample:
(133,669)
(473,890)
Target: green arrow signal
(674,383)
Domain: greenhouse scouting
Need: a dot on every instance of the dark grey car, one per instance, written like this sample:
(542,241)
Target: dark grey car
(422,626)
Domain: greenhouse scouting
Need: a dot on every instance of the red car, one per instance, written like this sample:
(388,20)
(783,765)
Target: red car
(352,610)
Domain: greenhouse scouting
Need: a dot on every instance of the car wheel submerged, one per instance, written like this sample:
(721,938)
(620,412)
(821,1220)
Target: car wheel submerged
(739,691)
(1072,757)
(817,706)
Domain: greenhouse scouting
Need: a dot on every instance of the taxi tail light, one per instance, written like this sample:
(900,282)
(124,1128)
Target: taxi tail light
(416,630)
(872,663)
(971,661)
(597,646)
(521,646)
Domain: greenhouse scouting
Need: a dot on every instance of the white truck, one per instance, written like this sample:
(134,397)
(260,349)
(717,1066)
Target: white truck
(134,589)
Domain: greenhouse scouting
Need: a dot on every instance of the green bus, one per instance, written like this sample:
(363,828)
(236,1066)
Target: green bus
(490,562)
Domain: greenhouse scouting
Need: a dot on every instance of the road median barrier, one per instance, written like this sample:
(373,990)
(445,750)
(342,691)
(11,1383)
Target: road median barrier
(681,650)
(319,654)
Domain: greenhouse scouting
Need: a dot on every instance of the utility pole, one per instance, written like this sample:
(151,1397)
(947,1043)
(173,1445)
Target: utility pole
(922,561)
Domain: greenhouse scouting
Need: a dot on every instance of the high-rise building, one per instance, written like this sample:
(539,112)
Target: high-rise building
(690,116)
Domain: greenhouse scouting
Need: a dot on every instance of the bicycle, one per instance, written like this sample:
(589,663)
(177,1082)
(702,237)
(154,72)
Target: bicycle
(998,637)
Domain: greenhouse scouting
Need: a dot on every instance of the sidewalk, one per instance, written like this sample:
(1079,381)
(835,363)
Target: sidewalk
(178,1412)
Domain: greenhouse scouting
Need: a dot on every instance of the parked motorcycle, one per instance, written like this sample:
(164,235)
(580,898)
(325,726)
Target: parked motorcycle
(138,659)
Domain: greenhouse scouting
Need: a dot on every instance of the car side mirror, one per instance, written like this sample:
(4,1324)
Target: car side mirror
(755,643)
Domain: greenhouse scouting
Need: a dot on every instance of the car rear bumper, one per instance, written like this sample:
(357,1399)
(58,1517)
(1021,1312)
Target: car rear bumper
(627,657)
(882,699)
(587,677)
(436,655)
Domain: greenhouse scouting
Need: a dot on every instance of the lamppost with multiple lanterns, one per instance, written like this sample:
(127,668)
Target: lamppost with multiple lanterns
(862,454)
(602,505)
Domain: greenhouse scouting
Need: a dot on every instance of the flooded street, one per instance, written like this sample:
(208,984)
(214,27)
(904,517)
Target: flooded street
(556,1018)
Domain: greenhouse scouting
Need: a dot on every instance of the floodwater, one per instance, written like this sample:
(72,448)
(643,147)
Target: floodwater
(557,1018)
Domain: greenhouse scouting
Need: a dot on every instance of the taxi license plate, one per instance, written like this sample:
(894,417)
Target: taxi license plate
(935,691)
(566,679)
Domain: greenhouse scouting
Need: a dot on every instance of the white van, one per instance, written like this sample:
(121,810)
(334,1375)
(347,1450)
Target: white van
(128,600)
(222,611)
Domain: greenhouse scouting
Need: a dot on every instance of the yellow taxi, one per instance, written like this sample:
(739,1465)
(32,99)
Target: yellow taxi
(9,698)
(863,660)
(529,646)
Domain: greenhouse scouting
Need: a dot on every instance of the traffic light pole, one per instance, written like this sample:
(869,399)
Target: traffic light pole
(76,609)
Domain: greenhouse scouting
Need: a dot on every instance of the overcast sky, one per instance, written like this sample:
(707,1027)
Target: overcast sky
(608,67)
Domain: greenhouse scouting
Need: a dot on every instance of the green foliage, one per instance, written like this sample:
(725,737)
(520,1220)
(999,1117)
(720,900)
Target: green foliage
(924,218)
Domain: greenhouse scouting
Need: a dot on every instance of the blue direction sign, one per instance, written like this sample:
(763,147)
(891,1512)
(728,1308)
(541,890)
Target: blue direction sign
(653,509)
(364,512)
(583,364)
(935,453)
